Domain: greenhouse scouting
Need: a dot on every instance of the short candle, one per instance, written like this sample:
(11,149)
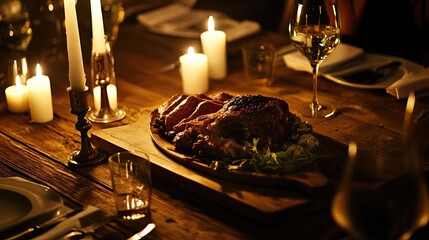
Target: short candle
(40,97)
(194,72)
(214,46)
(111,95)
(17,97)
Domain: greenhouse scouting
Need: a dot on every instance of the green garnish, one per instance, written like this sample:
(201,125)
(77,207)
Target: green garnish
(290,159)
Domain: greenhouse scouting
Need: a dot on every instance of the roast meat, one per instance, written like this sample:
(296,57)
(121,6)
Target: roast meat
(222,128)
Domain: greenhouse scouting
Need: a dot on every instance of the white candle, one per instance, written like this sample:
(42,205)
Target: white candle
(194,72)
(17,97)
(111,95)
(99,44)
(76,70)
(39,97)
(214,46)
(24,70)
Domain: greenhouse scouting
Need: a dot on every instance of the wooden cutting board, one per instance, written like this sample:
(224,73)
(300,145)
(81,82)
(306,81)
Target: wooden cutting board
(312,191)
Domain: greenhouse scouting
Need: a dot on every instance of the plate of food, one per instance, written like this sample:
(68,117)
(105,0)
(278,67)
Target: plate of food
(250,139)
(22,201)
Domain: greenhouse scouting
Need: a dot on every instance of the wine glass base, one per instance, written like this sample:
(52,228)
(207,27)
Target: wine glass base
(323,110)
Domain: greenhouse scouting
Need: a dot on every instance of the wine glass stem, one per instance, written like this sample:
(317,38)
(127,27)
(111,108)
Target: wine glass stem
(314,105)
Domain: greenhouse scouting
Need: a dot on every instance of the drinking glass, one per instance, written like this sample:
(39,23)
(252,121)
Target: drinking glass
(113,16)
(258,61)
(390,204)
(314,29)
(132,187)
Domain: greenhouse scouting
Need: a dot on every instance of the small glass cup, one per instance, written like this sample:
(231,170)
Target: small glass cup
(258,61)
(131,181)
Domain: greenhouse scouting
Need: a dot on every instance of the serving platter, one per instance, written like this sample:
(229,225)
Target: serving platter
(22,201)
(304,179)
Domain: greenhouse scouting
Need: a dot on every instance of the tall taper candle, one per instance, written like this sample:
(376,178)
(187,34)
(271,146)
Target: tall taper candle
(76,70)
(98,41)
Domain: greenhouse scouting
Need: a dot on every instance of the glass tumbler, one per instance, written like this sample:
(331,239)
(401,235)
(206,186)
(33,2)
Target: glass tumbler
(131,181)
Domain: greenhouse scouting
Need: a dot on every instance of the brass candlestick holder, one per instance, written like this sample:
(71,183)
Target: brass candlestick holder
(104,89)
(87,155)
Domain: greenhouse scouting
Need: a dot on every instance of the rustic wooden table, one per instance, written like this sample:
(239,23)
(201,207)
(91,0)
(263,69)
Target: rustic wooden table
(38,152)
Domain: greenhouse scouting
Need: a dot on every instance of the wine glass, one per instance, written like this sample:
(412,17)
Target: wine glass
(389,203)
(314,29)
(113,16)
(15,26)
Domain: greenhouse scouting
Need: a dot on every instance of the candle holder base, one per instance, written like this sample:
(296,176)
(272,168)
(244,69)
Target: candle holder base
(98,116)
(87,155)
(77,159)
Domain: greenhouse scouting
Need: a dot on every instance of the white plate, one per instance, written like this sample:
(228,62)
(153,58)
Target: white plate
(179,20)
(369,58)
(22,201)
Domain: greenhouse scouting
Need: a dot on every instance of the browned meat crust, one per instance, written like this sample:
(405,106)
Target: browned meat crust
(217,126)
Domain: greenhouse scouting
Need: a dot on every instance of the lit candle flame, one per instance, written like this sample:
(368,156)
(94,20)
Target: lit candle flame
(24,67)
(18,82)
(15,68)
(38,70)
(191,50)
(211,24)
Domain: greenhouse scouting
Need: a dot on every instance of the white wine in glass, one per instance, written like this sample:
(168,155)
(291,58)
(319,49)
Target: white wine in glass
(315,31)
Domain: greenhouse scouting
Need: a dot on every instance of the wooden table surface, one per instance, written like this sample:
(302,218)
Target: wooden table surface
(38,152)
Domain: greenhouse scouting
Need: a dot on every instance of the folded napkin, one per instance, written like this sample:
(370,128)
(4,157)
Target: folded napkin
(67,225)
(343,53)
(410,82)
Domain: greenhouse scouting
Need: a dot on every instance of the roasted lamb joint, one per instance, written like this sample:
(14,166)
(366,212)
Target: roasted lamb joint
(243,118)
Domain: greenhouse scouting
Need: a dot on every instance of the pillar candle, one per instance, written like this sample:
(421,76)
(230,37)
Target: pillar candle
(111,95)
(194,72)
(76,70)
(17,97)
(214,46)
(99,43)
(40,97)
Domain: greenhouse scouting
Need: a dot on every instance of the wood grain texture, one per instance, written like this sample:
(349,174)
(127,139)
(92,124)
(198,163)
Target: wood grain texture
(260,203)
(38,152)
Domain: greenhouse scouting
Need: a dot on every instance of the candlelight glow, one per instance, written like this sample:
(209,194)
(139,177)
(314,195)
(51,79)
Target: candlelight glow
(191,50)
(18,82)
(352,150)
(409,112)
(211,24)
(24,67)
(38,70)
(15,68)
